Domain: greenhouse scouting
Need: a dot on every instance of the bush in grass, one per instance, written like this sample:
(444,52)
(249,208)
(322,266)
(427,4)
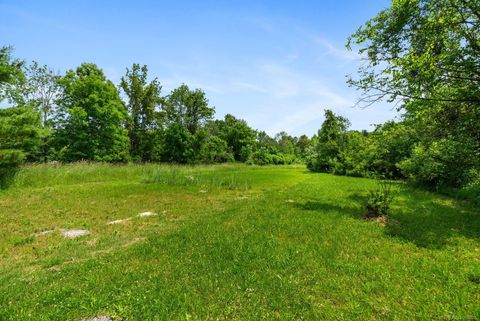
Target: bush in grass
(10,161)
(379,199)
(443,163)
(214,150)
(260,157)
(263,156)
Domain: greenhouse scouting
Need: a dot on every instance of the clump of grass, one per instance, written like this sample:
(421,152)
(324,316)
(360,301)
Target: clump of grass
(185,176)
(23,240)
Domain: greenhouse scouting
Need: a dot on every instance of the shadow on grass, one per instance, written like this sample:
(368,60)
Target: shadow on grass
(426,219)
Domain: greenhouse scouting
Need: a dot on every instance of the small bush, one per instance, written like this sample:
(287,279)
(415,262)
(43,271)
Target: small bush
(265,157)
(379,200)
(10,161)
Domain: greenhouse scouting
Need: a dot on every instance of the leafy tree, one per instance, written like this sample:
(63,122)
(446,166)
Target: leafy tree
(20,129)
(266,142)
(286,143)
(426,55)
(390,144)
(91,117)
(143,121)
(416,48)
(20,139)
(214,150)
(239,136)
(178,145)
(330,140)
(302,143)
(13,135)
(353,158)
(188,108)
(443,163)
(37,87)
(10,69)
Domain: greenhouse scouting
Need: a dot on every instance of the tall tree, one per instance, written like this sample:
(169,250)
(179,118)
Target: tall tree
(38,87)
(188,108)
(330,140)
(18,130)
(91,117)
(425,54)
(239,136)
(143,121)
(10,69)
(417,48)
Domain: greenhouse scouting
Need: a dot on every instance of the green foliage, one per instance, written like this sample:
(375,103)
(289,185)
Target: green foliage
(441,164)
(215,150)
(325,150)
(239,136)
(20,129)
(260,157)
(263,156)
(89,124)
(418,48)
(10,69)
(10,161)
(424,55)
(391,143)
(188,108)
(379,200)
(178,145)
(144,121)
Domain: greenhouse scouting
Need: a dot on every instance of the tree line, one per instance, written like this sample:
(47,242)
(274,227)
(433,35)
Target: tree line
(82,115)
(423,55)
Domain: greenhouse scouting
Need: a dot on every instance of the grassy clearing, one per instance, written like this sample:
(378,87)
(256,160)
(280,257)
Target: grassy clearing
(234,242)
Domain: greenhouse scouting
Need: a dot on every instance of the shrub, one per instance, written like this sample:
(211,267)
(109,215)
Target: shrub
(379,200)
(215,151)
(443,163)
(260,157)
(10,160)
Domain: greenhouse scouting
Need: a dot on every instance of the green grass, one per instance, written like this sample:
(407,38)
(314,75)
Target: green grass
(233,243)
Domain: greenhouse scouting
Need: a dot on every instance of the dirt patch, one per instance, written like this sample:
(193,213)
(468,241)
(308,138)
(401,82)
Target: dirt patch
(382,220)
(43,233)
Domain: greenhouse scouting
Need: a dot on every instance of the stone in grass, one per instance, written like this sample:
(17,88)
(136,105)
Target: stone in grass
(103,318)
(119,221)
(146,214)
(71,234)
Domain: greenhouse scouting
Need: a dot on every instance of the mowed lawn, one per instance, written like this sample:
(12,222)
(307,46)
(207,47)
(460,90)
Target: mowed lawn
(230,243)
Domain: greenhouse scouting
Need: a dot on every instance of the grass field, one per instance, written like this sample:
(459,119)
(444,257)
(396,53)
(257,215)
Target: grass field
(230,243)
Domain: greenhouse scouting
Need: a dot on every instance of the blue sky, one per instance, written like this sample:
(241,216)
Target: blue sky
(276,64)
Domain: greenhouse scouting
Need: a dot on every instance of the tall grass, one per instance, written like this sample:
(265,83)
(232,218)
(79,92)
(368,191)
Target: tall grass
(196,176)
(43,175)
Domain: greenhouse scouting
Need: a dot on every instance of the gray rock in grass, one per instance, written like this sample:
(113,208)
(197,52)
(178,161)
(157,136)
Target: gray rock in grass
(146,214)
(100,318)
(71,234)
